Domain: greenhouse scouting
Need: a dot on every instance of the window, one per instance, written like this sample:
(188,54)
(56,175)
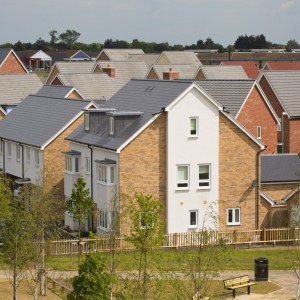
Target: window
(182,177)
(111,126)
(259,132)
(9,149)
(72,164)
(37,157)
(204,176)
(88,165)
(106,174)
(107,220)
(193,219)
(279,127)
(87,121)
(193,126)
(18,155)
(28,154)
(233,216)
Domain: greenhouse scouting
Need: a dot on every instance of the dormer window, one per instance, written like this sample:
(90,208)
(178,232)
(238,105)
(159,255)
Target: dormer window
(111,126)
(86,122)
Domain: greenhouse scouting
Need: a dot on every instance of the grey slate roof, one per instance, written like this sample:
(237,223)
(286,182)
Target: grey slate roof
(93,85)
(286,85)
(3,54)
(223,72)
(55,91)
(229,93)
(147,96)
(186,71)
(279,168)
(15,87)
(37,119)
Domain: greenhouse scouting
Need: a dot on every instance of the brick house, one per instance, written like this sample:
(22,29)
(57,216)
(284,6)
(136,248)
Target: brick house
(282,91)
(279,190)
(33,137)
(10,62)
(135,142)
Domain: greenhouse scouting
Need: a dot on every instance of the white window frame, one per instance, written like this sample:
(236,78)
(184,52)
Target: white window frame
(204,181)
(190,218)
(183,181)
(18,152)
(37,157)
(72,164)
(111,126)
(1,147)
(191,127)
(8,149)
(88,165)
(279,127)
(28,154)
(106,219)
(106,174)
(233,211)
(259,132)
(86,121)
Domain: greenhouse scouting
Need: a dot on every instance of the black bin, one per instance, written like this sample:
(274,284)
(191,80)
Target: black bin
(261,269)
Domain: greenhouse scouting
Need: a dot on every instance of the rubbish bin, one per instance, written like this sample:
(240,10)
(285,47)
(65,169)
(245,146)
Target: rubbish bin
(261,269)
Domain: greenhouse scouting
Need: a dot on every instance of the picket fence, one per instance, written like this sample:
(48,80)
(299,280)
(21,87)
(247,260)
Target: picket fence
(264,237)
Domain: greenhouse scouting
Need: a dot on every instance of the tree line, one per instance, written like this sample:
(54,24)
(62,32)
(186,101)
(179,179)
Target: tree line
(68,41)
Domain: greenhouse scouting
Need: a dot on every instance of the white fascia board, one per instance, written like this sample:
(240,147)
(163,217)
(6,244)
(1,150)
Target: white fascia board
(16,56)
(42,55)
(198,70)
(293,192)
(249,134)
(3,110)
(72,90)
(200,89)
(64,128)
(95,66)
(137,133)
(268,199)
(151,67)
(56,77)
(100,54)
(245,100)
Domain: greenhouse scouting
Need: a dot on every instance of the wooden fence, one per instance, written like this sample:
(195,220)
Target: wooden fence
(249,238)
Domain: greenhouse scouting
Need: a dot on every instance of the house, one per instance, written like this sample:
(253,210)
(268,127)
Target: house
(14,88)
(171,71)
(35,59)
(10,62)
(279,186)
(220,72)
(117,54)
(281,65)
(148,58)
(33,138)
(171,139)
(249,67)
(178,57)
(246,102)
(282,91)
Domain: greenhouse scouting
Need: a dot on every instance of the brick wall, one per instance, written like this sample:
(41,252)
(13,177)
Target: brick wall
(56,82)
(11,66)
(255,112)
(54,159)
(293,138)
(103,56)
(142,165)
(237,170)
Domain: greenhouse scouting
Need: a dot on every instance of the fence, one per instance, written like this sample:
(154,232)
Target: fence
(181,240)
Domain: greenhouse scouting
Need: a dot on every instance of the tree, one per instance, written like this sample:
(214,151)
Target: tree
(80,204)
(69,37)
(291,44)
(146,234)
(53,37)
(40,44)
(92,282)
(18,46)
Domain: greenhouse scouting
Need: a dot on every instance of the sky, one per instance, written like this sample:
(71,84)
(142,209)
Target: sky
(174,21)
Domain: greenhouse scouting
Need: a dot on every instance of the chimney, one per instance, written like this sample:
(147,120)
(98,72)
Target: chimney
(170,75)
(110,71)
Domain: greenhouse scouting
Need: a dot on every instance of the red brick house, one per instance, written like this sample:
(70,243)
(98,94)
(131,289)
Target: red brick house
(283,91)
(10,62)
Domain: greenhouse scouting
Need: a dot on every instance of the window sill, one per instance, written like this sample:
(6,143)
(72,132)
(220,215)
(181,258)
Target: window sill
(103,228)
(233,224)
(193,136)
(105,183)
(193,227)
(72,173)
(182,189)
(18,160)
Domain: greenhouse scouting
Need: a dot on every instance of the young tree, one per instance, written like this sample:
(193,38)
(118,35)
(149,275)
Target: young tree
(146,234)
(92,282)
(80,204)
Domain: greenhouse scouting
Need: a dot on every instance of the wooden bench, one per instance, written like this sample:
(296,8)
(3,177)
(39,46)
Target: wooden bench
(238,282)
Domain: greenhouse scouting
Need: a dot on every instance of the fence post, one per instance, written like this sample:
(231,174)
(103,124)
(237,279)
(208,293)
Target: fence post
(264,235)
(234,238)
(176,240)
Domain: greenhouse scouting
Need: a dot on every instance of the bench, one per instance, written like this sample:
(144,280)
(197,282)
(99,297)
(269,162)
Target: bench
(238,282)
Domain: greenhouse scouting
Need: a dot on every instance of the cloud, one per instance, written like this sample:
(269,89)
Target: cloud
(287,4)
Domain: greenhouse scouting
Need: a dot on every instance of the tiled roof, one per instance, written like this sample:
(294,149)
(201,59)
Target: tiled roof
(286,86)
(186,71)
(15,87)
(147,96)
(211,56)
(180,57)
(249,67)
(283,65)
(55,91)
(75,67)
(265,56)
(223,72)
(280,168)
(120,54)
(229,93)
(149,58)
(37,119)
(3,54)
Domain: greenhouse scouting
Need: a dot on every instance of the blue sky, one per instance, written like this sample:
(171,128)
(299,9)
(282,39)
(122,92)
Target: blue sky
(174,21)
